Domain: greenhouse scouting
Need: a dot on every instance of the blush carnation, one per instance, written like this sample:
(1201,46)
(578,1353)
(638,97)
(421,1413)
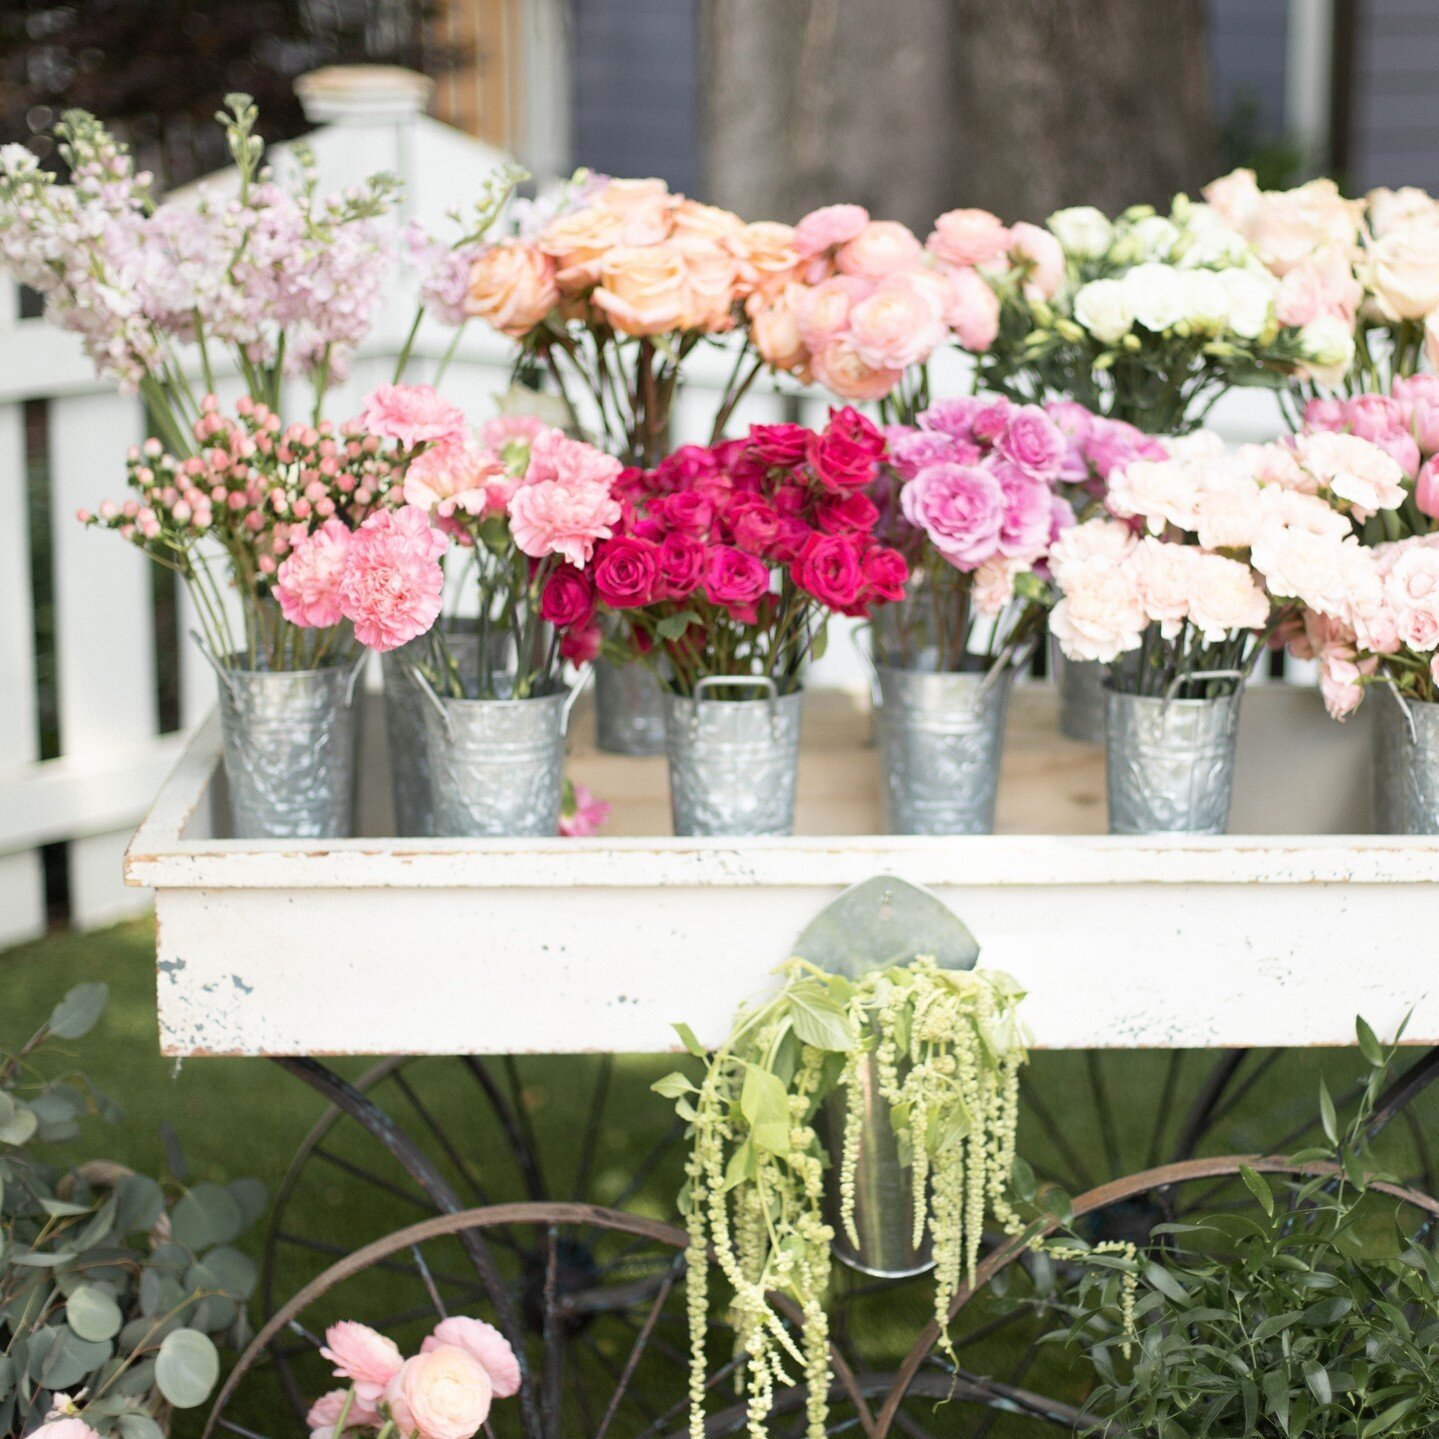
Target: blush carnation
(308,583)
(413,415)
(392,587)
(551,517)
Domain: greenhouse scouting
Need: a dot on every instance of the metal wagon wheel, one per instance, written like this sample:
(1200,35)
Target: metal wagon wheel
(1041,1394)
(413,1137)
(604,1345)
(1093,1116)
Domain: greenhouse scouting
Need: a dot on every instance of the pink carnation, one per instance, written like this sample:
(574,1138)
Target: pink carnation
(552,517)
(393,582)
(482,1340)
(446,478)
(508,429)
(367,1359)
(413,415)
(308,583)
(555,456)
(583,816)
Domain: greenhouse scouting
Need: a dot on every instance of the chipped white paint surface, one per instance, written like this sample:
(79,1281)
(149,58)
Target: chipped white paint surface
(452,946)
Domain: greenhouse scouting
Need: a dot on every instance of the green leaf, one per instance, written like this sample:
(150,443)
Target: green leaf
(1369,1045)
(1161,1279)
(673,626)
(673,1085)
(743,1165)
(139,1426)
(1259,1187)
(819,1019)
(93,1314)
(1022,1181)
(17,1121)
(208,1214)
(687,1038)
(7,1375)
(139,1203)
(1382,1423)
(1317,1378)
(187,1368)
(764,1102)
(1327,1115)
(80,1010)
(253,1199)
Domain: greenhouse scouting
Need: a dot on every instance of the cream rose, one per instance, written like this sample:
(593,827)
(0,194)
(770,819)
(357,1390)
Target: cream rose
(1402,269)
(643,289)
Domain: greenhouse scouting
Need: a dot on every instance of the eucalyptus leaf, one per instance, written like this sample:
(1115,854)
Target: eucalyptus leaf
(18,1124)
(187,1368)
(79,1011)
(207,1214)
(93,1314)
(138,1426)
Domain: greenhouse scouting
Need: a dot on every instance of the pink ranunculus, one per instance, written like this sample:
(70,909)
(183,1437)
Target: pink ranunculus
(968,237)
(626,572)
(900,325)
(1046,258)
(881,249)
(447,478)
(1426,488)
(325,1413)
(568,598)
(367,1359)
(308,583)
(413,415)
(581,817)
(551,517)
(827,228)
(392,586)
(735,580)
(960,508)
(442,1394)
(971,311)
(838,367)
(482,1340)
(1033,442)
(829,568)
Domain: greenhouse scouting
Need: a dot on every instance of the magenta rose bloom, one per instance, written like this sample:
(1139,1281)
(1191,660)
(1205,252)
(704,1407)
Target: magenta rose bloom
(735,581)
(682,566)
(625,571)
(829,568)
(689,511)
(681,469)
(568,598)
(779,444)
(790,538)
(846,456)
(1033,442)
(854,513)
(581,646)
(753,523)
(960,508)
(885,575)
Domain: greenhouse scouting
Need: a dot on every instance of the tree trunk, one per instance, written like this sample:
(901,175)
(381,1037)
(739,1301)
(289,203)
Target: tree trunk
(911,107)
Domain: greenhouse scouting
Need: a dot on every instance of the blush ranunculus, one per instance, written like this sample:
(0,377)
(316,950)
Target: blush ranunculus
(626,572)
(367,1359)
(899,325)
(392,587)
(959,507)
(512,287)
(971,310)
(838,367)
(325,1413)
(308,583)
(482,1340)
(827,228)
(444,1393)
(881,249)
(413,415)
(968,237)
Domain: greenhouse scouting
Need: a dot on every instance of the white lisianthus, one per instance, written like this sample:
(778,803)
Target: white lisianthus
(1154,237)
(1210,242)
(1206,301)
(1328,347)
(1156,296)
(1084,231)
(1102,307)
(1251,303)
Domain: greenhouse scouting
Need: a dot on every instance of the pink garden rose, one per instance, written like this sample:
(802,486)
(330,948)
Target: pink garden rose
(1032,442)
(482,1340)
(413,415)
(308,583)
(959,507)
(444,1393)
(367,1359)
(829,568)
(393,581)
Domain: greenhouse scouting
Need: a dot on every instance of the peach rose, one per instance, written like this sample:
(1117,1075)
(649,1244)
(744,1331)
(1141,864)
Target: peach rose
(513,287)
(1402,269)
(710,291)
(766,255)
(579,241)
(776,335)
(643,289)
(1235,198)
(840,370)
(1046,258)
(968,237)
(442,1394)
(881,249)
(898,326)
(696,226)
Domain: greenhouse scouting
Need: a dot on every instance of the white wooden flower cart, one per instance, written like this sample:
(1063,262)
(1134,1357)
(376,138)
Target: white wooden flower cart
(1272,938)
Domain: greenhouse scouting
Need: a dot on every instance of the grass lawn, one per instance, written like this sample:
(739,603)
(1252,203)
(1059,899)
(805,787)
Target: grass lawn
(246,1117)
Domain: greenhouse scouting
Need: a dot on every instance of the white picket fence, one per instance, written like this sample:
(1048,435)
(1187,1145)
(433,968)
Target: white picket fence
(111,754)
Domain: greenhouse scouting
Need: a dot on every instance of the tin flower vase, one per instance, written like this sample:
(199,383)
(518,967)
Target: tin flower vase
(1081,696)
(291,741)
(733,761)
(1387,734)
(941,735)
(1169,763)
(1418,767)
(629,709)
(496,765)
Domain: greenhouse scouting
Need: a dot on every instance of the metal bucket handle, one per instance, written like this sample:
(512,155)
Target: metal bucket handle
(422,682)
(356,670)
(213,662)
(1388,682)
(1011,657)
(866,654)
(713,682)
(575,692)
(1178,680)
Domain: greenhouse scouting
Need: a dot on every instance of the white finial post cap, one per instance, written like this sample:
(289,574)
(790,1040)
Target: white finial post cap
(362,94)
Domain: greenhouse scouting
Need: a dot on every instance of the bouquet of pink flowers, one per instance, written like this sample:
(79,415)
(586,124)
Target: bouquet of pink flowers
(524,503)
(970,499)
(445,1391)
(729,560)
(252,494)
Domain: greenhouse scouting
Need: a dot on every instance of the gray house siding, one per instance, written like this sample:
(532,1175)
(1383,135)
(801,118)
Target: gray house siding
(1246,60)
(1394,134)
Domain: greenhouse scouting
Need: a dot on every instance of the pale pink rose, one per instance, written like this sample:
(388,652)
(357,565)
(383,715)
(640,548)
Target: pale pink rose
(308,583)
(512,287)
(992,587)
(822,311)
(1160,492)
(413,415)
(1401,268)
(1226,598)
(1354,470)
(551,517)
(971,310)
(1100,616)
(1411,589)
(1099,543)
(643,289)
(367,1359)
(1235,198)
(462,477)
(555,456)
(482,1340)
(1290,225)
(391,593)
(838,367)
(326,1410)
(444,1393)
(775,333)
(968,237)
(898,326)
(579,819)
(827,228)
(1046,258)
(1386,209)
(767,258)
(1164,575)
(883,248)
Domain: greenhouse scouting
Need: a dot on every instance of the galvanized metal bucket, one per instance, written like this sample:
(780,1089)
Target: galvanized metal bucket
(1169,763)
(1418,766)
(733,762)
(1081,696)
(497,767)
(1389,726)
(629,709)
(291,746)
(940,740)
